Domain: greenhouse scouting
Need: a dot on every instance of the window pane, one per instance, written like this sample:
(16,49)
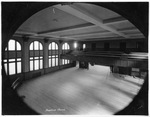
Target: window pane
(31,58)
(63,47)
(18,67)
(53,45)
(12,68)
(66,61)
(11,45)
(36,64)
(11,60)
(68,47)
(31,65)
(6,49)
(5,60)
(36,57)
(5,66)
(53,62)
(31,46)
(50,57)
(41,47)
(75,45)
(18,59)
(56,47)
(18,46)
(56,61)
(36,45)
(84,46)
(50,63)
(50,45)
(63,61)
(41,64)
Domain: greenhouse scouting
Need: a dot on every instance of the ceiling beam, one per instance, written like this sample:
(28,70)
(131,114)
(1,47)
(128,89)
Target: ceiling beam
(103,36)
(114,20)
(99,39)
(70,28)
(128,29)
(54,36)
(110,38)
(89,34)
(136,34)
(31,34)
(20,32)
(83,14)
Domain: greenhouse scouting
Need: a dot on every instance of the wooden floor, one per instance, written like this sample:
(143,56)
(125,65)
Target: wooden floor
(77,91)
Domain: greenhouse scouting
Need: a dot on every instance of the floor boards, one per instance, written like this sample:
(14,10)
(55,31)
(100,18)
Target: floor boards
(77,91)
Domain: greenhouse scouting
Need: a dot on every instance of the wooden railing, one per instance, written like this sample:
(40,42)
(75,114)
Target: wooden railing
(109,58)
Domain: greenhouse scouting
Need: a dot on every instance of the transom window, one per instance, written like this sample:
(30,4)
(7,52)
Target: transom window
(53,54)
(12,58)
(36,55)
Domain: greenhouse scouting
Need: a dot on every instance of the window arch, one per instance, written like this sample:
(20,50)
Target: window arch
(65,49)
(53,54)
(36,55)
(12,58)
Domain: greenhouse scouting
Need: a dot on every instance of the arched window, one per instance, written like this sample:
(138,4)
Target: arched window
(65,49)
(53,54)
(12,58)
(36,55)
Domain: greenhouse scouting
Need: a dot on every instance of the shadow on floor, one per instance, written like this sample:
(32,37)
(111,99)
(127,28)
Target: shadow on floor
(12,104)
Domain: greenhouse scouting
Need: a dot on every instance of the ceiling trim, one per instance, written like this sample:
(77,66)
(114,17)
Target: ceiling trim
(90,34)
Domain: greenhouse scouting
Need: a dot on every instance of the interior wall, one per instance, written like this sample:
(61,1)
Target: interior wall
(114,45)
(26,73)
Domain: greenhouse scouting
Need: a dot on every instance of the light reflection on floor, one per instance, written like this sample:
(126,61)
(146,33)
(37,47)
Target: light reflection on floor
(80,91)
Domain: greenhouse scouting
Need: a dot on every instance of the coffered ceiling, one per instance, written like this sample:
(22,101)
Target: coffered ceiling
(78,21)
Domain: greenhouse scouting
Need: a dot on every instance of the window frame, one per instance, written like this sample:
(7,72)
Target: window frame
(8,60)
(51,56)
(35,58)
(65,46)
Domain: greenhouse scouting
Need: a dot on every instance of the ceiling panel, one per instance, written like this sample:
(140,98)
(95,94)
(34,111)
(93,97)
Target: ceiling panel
(98,11)
(122,25)
(77,22)
(49,19)
(78,31)
(96,36)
